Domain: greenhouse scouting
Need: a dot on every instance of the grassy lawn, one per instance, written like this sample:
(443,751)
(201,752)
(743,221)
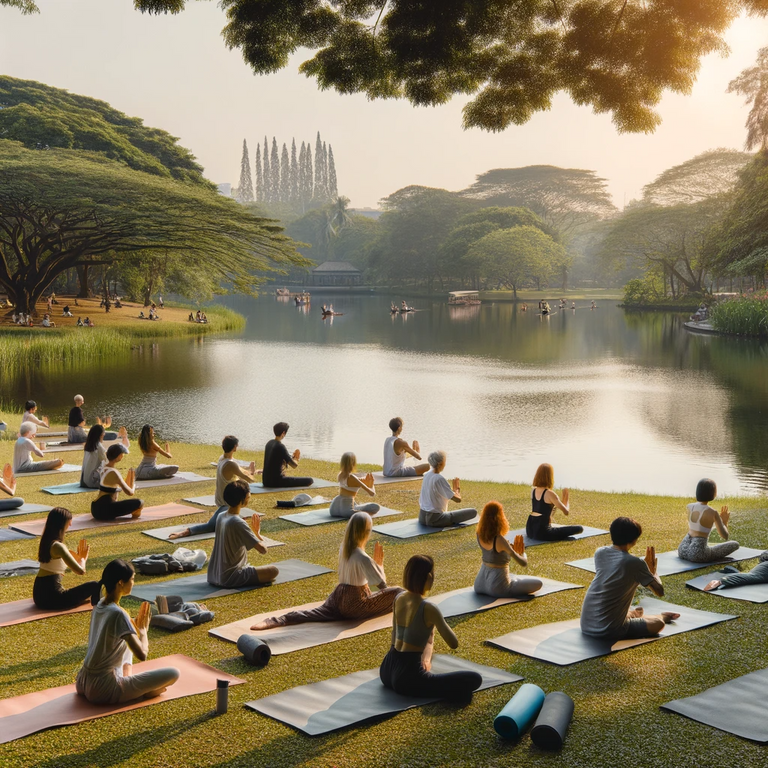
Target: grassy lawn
(617,697)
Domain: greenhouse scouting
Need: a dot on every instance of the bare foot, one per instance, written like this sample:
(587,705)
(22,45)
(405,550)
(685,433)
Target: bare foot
(714,584)
(179,534)
(137,513)
(669,617)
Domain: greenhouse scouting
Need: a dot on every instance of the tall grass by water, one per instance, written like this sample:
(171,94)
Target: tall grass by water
(745,316)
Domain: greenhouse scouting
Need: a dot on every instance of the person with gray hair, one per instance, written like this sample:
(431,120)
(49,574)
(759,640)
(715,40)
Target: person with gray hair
(436,492)
(76,424)
(25,448)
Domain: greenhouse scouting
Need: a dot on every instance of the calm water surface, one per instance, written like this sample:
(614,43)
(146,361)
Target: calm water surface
(614,401)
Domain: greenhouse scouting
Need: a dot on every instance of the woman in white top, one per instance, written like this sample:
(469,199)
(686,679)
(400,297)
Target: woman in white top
(349,484)
(29,415)
(148,468)
(106,506)
(94,457)
(8,485)
(113,640)
(23,450)
(352,597)
(55,558)
(436,492)
(701,518)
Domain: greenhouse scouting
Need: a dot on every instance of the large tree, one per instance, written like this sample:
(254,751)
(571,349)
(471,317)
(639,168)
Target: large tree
(752,83)
(245,187)
(617,56)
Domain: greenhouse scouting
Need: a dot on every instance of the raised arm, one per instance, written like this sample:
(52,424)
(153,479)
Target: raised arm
(433,616)
(652,562)
(516,550)
(75,561)
(128,485)
(403,446)
(40,422)
(366,483)
(139,643)
(163,452)
(552,498)
(721,521)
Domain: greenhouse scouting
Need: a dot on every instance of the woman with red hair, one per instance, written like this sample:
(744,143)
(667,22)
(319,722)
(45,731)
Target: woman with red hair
(543,503)
(494,577)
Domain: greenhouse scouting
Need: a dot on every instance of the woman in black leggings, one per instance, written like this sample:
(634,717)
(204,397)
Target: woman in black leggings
(543,502)
(55,558)
(106,506)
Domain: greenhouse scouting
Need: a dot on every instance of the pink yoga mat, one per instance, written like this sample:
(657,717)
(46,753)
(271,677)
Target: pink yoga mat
(22,611)
(23,715)
(83,522)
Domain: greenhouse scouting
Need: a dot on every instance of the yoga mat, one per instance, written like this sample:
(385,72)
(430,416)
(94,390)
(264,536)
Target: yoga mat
(379,479)
(203,501)
(163,533)
(669,563)
(255,651)
(18,568)
(63,447)
(519,712)
(87,521)
(240,463)
(352,699)
(180,478)
(25,509)
(738,707)
(585,534)
(751,593)
(32,712)
(8,534)
(563,643)
(552,723)
(195,588)
(63,468)
(320,516)
(299,636)
(22,611)
(409,529)
(317,483)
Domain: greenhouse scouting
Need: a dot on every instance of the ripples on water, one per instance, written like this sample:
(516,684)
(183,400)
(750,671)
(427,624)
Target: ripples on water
(613,401)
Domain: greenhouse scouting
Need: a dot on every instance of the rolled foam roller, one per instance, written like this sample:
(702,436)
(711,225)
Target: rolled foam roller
(553,721)
(519,712)
(254,650)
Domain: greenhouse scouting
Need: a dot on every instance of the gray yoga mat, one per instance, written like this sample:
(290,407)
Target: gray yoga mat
(669,563)
(380,479)
(409,529)
(196,587)
(6,534)
(317,483)
(61,470)
(180,478)
(18,568)
(164,533)
(585,534)
(738,707)
(353,699)
(320,516)
(751,593)
(25,509)
(563,643)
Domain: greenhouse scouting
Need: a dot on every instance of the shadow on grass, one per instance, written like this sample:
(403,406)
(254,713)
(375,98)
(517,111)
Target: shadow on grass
(34,670)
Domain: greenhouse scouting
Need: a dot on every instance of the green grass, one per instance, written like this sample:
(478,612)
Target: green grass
(745,316)
(617,697)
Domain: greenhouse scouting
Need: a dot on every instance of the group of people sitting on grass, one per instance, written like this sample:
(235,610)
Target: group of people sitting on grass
(197,317)
(114,639)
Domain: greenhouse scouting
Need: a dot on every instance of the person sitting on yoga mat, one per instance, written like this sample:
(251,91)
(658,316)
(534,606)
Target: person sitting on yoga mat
(436,492)
(395,451)
(758,575)
(8,485)
(349,484)
(95,455)
(352,597)
(113,640)
(55,558)
(607,611)
(701,518)
(543,502)
(148,468)
(23,450)
(228,566)
(406,667)
(494,577)
(76,423)
(29,415)
(227,470)
(276,458)
(106,506)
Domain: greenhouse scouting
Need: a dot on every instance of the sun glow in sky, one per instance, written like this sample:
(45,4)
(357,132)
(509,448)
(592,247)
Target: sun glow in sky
(176,74)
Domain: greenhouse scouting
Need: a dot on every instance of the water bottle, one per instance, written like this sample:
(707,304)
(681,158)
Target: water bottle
(222,696)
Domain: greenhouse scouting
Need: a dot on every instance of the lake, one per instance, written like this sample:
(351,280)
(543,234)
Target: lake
(615,401)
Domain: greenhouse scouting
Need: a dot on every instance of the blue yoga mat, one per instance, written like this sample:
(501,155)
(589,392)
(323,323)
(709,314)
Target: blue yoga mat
(66,489)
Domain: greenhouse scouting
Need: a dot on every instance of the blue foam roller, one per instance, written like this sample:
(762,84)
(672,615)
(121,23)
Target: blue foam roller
(519,712)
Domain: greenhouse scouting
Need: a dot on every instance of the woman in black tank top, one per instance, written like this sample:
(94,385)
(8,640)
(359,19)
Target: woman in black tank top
(543,502)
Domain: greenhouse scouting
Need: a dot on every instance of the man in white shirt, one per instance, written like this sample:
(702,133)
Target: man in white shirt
(436,492)
(396,450)
(25,448)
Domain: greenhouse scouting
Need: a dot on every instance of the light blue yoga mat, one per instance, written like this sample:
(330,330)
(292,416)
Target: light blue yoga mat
(67,489)
(180,478)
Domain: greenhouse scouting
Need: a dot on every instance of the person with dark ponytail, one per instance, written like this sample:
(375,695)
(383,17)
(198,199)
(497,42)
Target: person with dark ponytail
(148,468)
(106,506)
(55,558)
(113,640)
(95,455)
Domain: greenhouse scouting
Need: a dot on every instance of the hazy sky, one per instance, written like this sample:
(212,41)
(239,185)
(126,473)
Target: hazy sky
(176,74)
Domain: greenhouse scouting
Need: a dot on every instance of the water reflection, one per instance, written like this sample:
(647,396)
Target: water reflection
(615,401)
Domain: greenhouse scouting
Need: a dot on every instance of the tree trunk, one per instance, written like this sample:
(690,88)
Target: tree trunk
(82,275)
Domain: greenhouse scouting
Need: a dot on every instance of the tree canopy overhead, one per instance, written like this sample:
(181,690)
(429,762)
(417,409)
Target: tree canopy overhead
(617,56)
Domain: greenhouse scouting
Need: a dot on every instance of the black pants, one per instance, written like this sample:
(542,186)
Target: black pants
(48,594)
(540,528)
(402,672)
(287,482)
(104,508)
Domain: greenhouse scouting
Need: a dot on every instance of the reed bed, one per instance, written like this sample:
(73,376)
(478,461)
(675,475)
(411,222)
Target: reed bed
(745,316)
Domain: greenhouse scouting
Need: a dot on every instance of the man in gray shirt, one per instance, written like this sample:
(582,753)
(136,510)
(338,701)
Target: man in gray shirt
(607,611)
